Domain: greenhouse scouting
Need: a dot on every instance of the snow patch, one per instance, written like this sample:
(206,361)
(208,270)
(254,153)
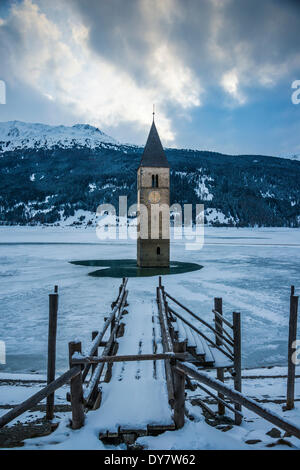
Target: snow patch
(267,194)
(202,190)
(214,216)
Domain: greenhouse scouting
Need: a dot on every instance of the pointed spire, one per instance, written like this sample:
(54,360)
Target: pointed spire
(154,154)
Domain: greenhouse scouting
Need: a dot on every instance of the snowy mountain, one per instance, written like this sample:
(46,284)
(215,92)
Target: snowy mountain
(16,135)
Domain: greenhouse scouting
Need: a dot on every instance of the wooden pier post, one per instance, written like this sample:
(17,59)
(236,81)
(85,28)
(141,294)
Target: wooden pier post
(52,329)
(237,362)
(76,390)
(290,396)
(179,389)
(218,306)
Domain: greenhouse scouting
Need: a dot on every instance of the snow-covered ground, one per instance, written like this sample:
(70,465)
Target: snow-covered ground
(196,434)
(251,269)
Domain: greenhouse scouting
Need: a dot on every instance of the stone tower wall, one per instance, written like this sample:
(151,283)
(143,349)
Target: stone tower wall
(147,255)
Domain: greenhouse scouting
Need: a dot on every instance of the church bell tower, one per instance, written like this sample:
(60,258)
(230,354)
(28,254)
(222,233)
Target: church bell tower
(153,185)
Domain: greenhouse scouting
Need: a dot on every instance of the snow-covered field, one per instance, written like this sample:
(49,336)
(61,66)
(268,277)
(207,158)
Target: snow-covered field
(252,269)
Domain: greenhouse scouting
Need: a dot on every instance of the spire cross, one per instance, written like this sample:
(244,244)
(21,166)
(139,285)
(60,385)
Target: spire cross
(153,111)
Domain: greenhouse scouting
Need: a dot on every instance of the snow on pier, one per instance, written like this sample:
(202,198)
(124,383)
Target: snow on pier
(137,395)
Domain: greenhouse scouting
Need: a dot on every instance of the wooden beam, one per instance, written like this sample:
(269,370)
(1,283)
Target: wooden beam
(164,323)
(200,333)
(290,397)
(94,335)
(237,397)
(167,346)
(39,396)
(179,388)
(128,358)
(52,328)
(76,390)
(237,361)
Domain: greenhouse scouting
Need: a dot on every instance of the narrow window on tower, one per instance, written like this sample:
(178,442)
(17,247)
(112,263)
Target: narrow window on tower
(156,181)
(153,181)
(158,250)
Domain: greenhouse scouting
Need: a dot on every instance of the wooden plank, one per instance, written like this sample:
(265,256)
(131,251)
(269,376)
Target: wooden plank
(186,333)
(159,428)
(208,355)
(195,345)
(113,352)
(179,389)
(39,396)
(52,328)
(290,398)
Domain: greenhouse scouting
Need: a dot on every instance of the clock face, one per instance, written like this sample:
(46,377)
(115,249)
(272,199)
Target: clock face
(154,197)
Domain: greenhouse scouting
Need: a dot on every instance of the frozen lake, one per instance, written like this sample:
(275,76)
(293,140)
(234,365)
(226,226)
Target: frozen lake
(252,269)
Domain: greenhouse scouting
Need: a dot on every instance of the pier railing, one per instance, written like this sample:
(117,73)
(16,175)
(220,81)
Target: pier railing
(180,371)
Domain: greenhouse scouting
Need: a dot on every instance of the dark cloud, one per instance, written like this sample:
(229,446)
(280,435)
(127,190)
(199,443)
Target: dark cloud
(117,31)
(260,33)
(225,55)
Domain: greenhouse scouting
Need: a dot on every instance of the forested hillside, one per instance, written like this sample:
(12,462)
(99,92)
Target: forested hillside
(47,185)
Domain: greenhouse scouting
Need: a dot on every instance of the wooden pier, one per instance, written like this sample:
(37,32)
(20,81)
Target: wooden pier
(139,363)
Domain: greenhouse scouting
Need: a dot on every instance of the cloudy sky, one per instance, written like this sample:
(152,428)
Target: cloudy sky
(219,71)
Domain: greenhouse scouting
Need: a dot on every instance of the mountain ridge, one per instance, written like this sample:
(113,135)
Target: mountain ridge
(19,135)
(64,182)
